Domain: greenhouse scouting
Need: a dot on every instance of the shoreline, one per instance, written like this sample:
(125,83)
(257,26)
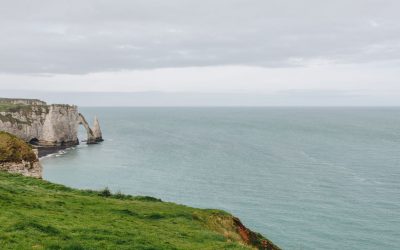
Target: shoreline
(202,228)
(45,151)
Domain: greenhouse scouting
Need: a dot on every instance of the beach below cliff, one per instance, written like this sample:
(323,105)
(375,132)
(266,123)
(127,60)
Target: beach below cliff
(48,151)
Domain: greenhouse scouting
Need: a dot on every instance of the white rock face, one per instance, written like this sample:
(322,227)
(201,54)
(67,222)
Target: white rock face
(50,125)
(94,134)
(31,169)
(26,168)
(96,130)
(60,126)
(26,124)
(47,125)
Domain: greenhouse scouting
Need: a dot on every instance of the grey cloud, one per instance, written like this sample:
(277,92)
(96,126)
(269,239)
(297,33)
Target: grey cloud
(163,99)
(75,37)
(332,93)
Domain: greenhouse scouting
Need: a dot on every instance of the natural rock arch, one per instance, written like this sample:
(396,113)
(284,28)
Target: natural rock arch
(93,135)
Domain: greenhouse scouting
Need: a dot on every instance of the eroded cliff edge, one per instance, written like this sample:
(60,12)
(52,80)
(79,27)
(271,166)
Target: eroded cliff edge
(16,156)
(45,125)
(37,214)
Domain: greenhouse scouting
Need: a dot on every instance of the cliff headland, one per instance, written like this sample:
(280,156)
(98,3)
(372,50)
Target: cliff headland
(36,214)
(18,157)
(45,125)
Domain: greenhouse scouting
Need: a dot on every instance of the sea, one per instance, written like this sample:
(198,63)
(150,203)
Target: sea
(306,178)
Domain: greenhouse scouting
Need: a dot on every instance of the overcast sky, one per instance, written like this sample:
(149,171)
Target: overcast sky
(308,52)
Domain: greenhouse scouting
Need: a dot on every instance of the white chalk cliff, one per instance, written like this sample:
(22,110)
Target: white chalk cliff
(46,125)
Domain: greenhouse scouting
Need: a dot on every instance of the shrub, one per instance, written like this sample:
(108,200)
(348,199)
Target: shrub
(105,192)
(13,149)
(147,198)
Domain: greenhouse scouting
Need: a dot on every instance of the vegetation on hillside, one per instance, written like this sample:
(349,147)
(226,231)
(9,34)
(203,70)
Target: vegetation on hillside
(8,107)
(17,105)
(13,149)
(11,107)
(35,214)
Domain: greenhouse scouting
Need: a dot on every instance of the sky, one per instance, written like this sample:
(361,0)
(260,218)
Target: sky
(202,53)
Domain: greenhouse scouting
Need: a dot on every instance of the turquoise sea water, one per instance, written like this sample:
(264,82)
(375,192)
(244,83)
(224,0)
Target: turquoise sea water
(307,178)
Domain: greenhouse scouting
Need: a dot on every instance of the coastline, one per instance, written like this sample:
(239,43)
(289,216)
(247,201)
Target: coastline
(46,151)
(81,219)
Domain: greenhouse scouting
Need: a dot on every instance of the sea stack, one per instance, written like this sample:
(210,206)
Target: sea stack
(94,134)
(97,131)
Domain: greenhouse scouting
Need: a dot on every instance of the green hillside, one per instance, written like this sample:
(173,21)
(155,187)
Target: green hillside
(13,149)
(36,214)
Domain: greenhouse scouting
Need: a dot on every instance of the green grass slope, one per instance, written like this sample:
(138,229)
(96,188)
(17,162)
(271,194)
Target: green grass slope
(36,214)
(13,149)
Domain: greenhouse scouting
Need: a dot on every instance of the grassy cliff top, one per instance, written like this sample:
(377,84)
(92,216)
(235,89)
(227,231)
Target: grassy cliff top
(37,214)
(21,101)
(27,105)
(18,105)
(13,149)
(11,107)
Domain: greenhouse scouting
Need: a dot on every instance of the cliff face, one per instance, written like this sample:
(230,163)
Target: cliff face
(60,126)
(18,157)
(94,134)
(26,168)
(47,125)
(26,122)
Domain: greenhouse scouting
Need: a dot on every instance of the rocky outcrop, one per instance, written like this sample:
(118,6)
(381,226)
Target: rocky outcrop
(98,136)
(45,125)
(252,238)
(26,168)
(233,229)
(93,135)
(16,156)
(60,126)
